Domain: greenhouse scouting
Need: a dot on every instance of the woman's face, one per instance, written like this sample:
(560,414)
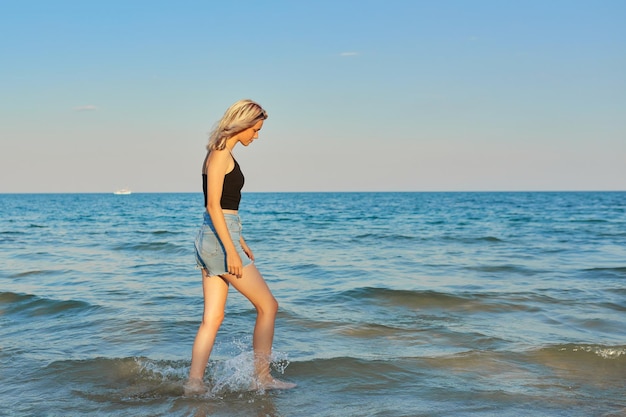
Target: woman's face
(249,135)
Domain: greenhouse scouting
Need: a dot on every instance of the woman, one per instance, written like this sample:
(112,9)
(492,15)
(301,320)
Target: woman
(223,255)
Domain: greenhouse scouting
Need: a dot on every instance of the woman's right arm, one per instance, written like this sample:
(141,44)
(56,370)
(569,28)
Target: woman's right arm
(217,165)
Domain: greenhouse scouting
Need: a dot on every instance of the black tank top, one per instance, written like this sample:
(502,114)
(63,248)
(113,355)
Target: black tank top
(231,190)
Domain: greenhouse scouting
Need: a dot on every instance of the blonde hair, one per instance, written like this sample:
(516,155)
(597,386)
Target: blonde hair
(240,116)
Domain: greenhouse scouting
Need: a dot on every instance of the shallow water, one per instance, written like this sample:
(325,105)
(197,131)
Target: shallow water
(392,304)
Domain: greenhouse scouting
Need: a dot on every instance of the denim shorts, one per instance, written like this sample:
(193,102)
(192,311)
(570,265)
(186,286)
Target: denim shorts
(210,253)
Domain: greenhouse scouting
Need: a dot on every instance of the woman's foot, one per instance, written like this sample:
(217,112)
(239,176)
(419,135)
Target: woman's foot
(194,386)
(271,384)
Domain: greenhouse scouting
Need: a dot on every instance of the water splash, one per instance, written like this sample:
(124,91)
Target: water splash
(238,373)
(601,351)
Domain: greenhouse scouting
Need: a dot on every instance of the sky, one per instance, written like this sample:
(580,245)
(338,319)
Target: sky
(388,95)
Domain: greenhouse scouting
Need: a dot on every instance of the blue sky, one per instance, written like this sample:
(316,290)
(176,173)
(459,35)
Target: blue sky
(362,95)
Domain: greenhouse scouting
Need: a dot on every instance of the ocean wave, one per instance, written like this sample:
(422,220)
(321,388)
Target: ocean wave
(223,374)
(428,299)
(142,377)
(152,247)
(385,236)
(506,268)
(537,374)
(582,353)
(620,270)
(605,352)
(589,221)
(11,236)
(395,237)
(489,239)
(348,368)
(119,379)
(138,378)
(159,232)
(34,272)
(471,240)
(546,367)
(601,366)
(34,306)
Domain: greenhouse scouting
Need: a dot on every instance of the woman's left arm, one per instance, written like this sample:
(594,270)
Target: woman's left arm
(246,248)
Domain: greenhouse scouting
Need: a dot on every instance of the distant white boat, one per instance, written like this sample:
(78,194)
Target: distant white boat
(122,191)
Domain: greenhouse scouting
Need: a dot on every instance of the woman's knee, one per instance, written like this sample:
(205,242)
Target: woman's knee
(269,307)
(213,319)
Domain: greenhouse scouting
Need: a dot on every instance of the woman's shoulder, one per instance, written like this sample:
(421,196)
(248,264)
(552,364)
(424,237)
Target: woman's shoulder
(218,155)
(219,159)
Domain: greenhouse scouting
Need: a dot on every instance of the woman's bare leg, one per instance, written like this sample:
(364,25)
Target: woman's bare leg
(215,291)
(254,288)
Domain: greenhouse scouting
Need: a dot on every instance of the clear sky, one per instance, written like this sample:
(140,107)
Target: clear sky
(439,95)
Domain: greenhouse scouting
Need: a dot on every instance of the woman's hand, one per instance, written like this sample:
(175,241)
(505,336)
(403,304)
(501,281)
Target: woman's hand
(235,266)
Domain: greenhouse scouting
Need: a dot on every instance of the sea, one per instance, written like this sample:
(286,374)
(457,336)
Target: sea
(391,304)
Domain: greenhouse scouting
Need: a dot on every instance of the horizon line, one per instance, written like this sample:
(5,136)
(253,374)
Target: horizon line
(322,192)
